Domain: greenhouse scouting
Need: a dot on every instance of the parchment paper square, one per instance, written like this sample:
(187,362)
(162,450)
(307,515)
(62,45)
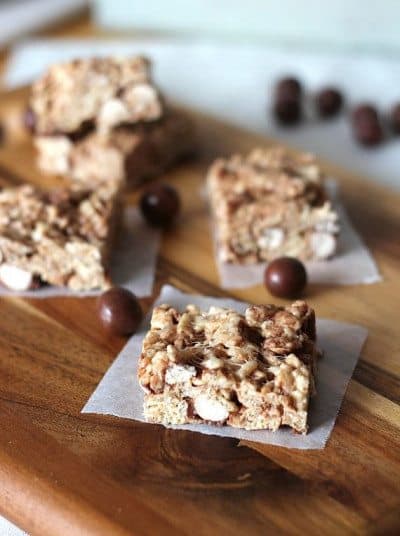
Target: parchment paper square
(119,392)
(352,264)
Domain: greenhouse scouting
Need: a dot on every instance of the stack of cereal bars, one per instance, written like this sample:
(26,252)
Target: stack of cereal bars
(103,119)
(100,124)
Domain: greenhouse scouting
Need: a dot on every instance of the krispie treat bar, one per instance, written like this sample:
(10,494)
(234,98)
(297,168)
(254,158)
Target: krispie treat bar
(60,238)
(271,203)
(134,153)
(99,93)
(252,371)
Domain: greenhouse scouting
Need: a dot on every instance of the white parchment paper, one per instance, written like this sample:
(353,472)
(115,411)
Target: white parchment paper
(352,264)
(119,392)
(133,261)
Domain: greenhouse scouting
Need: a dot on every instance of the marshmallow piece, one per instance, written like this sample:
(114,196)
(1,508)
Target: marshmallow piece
(112,113)
(271,239)
(323,245)
(247,368)
(179,374)
(212,362)
(209,409)
(327,226)
(54,153)
(143,99)
(15,278)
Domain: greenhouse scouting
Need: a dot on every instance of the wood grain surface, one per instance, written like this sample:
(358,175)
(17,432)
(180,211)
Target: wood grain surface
(66,473)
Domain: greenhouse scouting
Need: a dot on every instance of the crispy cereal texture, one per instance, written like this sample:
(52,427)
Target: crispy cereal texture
(252,371)
(132,153)
(269,204)
(98,92)
(61,238)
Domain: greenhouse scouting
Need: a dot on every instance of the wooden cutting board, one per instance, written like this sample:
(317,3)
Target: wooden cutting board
(66,473)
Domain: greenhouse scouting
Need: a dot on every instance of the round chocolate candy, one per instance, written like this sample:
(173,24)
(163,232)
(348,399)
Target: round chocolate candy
(394,119)
(368,133)
(119,311)
(329,102)
(288,111)
(364,113)
(285,277)
(160,205)
(288,88)
(367,126)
